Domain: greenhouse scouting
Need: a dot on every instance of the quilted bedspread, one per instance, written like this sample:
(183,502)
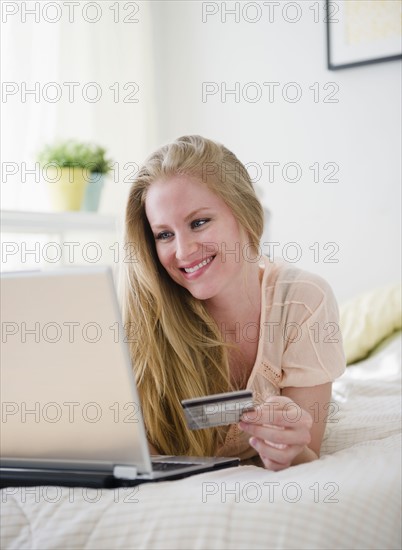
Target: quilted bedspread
(349,498)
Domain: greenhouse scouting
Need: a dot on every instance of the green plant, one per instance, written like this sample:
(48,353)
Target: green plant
(76,154)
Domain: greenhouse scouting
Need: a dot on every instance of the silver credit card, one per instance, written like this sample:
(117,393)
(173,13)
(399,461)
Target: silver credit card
(217,410)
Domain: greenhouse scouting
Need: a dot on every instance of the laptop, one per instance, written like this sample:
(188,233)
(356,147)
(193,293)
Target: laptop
(70,410)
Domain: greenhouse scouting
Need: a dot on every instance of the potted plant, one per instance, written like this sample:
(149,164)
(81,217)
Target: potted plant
(74,174)
(99,166)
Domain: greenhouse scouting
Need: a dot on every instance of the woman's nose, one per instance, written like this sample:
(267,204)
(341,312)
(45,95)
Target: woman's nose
(185,247)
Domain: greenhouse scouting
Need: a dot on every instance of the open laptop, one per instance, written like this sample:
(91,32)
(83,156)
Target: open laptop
(70,411)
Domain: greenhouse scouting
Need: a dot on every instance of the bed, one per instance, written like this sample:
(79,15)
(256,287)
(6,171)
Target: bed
(349,498)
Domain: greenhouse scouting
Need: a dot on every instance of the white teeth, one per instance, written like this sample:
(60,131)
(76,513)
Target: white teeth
(199,266)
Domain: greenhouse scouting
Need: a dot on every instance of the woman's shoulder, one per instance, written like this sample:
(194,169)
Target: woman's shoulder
(284,282)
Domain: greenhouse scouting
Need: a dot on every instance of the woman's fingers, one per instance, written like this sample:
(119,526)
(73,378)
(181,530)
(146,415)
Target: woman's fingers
(282,416)
(299,436)
(281,412)
(279,458)
(280,430)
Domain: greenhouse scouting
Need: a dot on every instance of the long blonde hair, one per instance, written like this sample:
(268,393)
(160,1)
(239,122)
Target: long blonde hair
(176,348)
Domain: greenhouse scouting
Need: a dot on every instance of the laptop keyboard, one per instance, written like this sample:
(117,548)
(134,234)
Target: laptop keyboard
(168,466)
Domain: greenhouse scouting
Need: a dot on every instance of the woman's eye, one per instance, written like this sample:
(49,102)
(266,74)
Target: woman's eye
(199,223)
(163,235)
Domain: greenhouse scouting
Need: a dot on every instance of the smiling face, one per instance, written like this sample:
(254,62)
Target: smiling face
(198,240)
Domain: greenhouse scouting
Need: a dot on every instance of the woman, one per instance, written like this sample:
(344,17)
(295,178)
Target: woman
(212,315)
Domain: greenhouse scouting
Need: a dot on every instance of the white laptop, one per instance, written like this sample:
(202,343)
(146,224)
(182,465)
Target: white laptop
(70,411)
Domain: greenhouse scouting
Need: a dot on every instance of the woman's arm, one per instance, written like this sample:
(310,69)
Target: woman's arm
(314,400)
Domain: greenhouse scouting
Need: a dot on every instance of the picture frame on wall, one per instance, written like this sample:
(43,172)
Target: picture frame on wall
(361,32)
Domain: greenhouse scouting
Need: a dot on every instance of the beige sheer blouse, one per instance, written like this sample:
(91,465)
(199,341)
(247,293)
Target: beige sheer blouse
(300,343)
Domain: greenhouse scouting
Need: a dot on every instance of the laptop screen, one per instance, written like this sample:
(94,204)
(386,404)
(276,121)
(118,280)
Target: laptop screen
(68,395)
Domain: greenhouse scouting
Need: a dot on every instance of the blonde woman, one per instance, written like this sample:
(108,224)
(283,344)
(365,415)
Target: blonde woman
(211,314)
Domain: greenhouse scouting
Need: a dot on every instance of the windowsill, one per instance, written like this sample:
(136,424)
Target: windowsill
(48,222)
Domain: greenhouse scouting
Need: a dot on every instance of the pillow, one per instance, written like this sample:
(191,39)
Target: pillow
(368,319)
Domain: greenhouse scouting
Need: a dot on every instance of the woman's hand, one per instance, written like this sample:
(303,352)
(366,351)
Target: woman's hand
(280,431)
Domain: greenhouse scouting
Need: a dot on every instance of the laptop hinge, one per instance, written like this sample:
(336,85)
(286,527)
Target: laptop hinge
(125,472)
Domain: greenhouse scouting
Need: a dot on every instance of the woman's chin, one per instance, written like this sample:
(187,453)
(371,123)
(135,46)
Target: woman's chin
(201,295)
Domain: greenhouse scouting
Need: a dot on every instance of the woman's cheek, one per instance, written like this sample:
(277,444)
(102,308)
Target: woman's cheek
(163,253)
(210,245)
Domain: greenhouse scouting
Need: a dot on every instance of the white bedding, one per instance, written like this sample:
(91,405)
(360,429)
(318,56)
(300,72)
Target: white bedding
(350,498)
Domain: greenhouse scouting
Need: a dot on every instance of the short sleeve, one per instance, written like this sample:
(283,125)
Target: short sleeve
(313,347)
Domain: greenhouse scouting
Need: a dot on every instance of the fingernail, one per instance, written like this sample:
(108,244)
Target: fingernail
(279,446)
(252,441)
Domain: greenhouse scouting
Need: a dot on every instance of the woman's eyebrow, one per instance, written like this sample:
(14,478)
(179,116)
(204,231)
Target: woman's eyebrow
(195,212)
(186,219)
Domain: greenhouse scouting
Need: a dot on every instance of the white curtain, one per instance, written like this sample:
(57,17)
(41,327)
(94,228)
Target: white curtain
(90,70)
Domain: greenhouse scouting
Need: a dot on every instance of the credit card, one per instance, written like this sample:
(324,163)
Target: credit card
(217,410)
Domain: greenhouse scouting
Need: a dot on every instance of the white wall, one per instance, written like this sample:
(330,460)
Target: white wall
(43,50)
(170,52)
(360,133)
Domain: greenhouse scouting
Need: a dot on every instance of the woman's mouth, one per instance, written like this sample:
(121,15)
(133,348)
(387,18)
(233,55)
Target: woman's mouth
(197,267)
